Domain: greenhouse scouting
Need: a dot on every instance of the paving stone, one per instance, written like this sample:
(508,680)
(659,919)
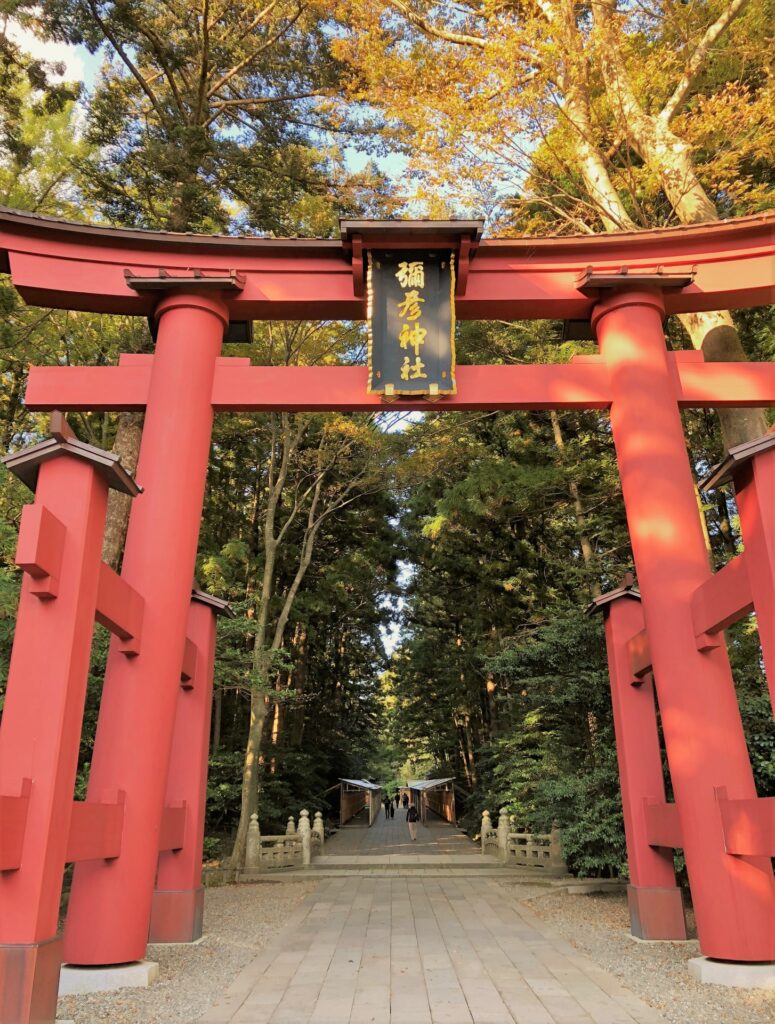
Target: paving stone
(436,949)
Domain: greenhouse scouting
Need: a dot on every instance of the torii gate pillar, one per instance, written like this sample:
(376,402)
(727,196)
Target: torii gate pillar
(734,896)
(178,900)
(654,900)
(110,902)
(60,547)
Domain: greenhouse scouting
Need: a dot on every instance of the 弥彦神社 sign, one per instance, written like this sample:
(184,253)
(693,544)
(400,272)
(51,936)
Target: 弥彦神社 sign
(411,323)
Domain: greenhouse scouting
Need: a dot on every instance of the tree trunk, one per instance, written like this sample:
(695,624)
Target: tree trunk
(670,158)
(127,447)
(587,552)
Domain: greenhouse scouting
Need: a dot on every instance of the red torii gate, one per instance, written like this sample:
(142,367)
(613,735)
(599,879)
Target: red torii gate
(198,288)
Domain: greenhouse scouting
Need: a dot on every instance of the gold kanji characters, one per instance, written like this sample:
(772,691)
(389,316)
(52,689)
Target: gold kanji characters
(413,371)
(409,309)
(412,337)
(411,275)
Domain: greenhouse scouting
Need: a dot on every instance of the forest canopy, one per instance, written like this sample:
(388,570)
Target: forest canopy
(409,590)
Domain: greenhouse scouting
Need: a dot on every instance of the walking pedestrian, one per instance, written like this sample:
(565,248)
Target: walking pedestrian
(386,802)
(411,821)
(398,798)
(392,808)
(405,800)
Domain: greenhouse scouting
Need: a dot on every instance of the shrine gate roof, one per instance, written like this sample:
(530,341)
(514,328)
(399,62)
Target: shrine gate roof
(63,264)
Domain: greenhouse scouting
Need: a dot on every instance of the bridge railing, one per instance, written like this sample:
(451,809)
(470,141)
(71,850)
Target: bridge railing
(522,848)
(295,848)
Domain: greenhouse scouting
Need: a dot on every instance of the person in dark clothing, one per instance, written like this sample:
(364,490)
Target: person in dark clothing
(398,799)
(411,821)
(386,803)
(392,807)
(406,800)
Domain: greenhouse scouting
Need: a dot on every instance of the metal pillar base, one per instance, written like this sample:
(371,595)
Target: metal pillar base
(656,913)
(29,978)
(74,981)
(734,975)
(177,916)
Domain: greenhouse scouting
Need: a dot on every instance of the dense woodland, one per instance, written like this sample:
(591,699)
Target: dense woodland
(473,541)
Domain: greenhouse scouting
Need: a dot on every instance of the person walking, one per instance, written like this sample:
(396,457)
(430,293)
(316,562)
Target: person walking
(392,807)
(411,821)
(405,800)
(398,799)
(386,803)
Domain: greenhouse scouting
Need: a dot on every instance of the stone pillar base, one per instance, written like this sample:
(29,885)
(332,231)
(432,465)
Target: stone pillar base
(177,916)
(74,981)
(734,975)
(29,979)
(656,913)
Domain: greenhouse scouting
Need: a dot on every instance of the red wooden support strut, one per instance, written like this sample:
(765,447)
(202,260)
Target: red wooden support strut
(60,551)
(752,468)
(110,902)
(654,899)
(178,901)
(734,897)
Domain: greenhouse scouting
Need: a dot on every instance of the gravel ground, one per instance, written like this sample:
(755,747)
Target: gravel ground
(240,920)
(599,925)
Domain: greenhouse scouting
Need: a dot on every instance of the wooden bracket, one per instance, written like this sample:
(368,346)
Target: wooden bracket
(640,657)
(463,266)
(663,826)
(173,826)
(96,830)
(188,671)
(13,823)
(40,548)
(749,825)
(120,609)
(359,276)
(724,598)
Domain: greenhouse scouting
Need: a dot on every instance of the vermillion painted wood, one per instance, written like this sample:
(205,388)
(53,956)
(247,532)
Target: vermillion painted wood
(734,897)
(110,902)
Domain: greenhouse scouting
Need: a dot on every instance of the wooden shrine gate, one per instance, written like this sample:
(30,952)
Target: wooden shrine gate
(139,819)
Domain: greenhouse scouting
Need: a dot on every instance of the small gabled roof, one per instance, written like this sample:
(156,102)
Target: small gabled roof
(362,784)
(218,605)
(625,589)
(423,784)
(26,463)
(736,458)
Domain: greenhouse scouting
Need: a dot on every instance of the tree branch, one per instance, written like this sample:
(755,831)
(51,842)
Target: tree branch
(693,68)
(460,38)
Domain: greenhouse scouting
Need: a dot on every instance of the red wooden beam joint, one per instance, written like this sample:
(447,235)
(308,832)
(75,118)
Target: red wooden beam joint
(96,830)
(723,599)
(39,549)
(120,609)
(663,826)
(749,825)
(13,822)
(173,828)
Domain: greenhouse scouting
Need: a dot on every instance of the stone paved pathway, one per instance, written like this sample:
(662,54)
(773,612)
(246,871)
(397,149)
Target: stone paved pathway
(446,949)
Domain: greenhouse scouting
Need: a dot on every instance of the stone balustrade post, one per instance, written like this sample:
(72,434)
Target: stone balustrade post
(290,828)
(486,828)
(305,831)
(253,845)
(319,828)
(504,827)
(556,860)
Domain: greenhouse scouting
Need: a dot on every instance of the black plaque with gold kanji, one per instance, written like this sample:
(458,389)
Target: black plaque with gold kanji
(411,323)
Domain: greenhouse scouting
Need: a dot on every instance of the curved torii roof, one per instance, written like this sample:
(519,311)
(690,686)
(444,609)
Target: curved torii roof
(70,265)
